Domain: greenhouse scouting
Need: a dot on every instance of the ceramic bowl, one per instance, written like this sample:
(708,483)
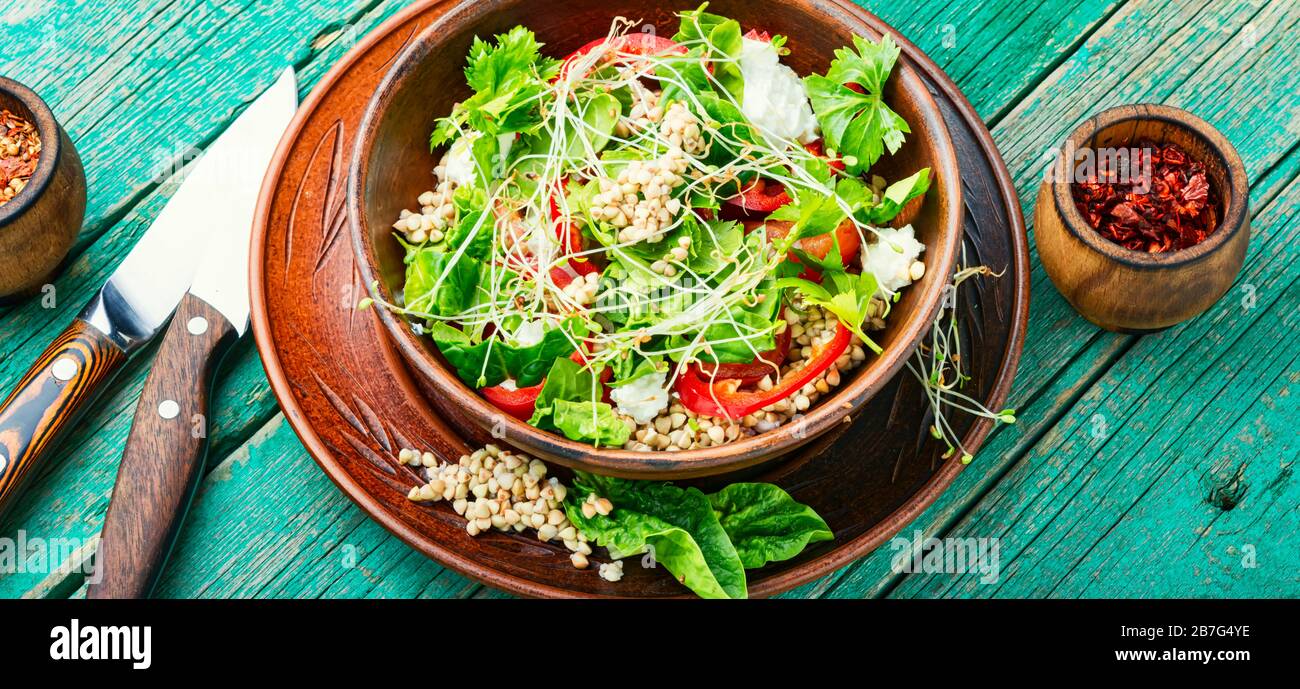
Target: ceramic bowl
(392,165)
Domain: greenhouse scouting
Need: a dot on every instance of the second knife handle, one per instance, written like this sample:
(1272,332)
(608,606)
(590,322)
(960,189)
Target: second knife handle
(50,398)
(164,454)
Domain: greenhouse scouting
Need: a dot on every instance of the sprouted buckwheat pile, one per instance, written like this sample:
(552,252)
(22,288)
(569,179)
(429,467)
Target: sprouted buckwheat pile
(661,243)
(707,541)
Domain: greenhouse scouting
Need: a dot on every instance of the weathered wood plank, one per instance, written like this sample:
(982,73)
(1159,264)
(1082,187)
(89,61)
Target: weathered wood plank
(996,51)
(954,66)
(1037,423)
(1103,70)
(267,522)
(106,79)
(71,499)
(1128,483)
(84,478)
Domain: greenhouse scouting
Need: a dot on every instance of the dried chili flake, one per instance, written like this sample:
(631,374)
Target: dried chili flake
(20,150)
(1171,205)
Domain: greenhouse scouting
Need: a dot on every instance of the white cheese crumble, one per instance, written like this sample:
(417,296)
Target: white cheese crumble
(458,163)
(775,99)
(884,259)
(643,398)
(530,333)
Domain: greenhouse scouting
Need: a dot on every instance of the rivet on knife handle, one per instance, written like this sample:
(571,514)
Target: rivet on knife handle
(50,398)
(164,453)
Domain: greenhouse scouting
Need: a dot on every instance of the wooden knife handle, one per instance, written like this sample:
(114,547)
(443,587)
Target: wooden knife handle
(50,398)
(164,454)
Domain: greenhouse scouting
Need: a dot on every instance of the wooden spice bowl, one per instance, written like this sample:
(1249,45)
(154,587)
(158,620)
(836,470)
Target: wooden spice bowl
(40,223)
(392,160)
(1121,289)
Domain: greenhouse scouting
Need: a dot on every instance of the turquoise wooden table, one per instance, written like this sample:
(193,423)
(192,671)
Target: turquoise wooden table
(1160,465)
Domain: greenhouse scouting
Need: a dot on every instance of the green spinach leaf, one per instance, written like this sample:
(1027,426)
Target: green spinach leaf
(439,284)
(490,361)
(765,524)
(641,508)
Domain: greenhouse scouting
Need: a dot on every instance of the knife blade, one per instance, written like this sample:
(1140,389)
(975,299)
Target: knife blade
(217,193)
(164,451)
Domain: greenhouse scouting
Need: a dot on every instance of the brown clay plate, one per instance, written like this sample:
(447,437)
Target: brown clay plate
(353,403)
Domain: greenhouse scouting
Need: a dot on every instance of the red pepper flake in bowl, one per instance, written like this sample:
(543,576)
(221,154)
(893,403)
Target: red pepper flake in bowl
(1170,205)
(20,150)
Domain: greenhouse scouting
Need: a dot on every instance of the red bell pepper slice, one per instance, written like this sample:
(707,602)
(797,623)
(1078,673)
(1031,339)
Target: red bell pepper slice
(763,197)
(632,43)
(571,237)
(521,402)
(764,364)
(724,398)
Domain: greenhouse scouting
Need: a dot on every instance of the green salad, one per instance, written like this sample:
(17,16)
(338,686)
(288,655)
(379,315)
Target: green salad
(661,243)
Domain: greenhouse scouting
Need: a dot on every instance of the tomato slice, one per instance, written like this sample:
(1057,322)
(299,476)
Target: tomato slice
(846,233)
(764,364)
(627,44)
(724,398)
(755,34)
(763,196)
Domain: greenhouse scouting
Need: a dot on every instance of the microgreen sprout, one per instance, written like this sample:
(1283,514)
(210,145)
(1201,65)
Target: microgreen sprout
(939,368)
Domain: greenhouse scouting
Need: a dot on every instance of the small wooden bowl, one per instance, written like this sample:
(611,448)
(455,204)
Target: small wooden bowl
(1131,291)
(40,223)
(391,165)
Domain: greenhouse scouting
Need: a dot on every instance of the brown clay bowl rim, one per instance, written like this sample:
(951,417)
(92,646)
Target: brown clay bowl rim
(51,145)
(796,576)
(1224,157)
(687,463)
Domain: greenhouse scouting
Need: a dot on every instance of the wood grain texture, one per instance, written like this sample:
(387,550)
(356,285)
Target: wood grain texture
(164,452)
(71,499)
(50,398)
(1235,77)
(1134,447)
(1132,291)
(1031,71)
(38,225)
(351,399)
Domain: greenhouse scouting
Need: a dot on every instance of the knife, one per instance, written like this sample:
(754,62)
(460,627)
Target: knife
(164,451)
(124,315)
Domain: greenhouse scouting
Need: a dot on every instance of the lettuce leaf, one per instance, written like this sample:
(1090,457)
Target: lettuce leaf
(896,196)
(715,38)
(814,213)
(426,291)
(491,361)
(589,422)
(633,533)
(844,294)
(570,403)
(765,524)
(706,541)
(679,523)
(473,225)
